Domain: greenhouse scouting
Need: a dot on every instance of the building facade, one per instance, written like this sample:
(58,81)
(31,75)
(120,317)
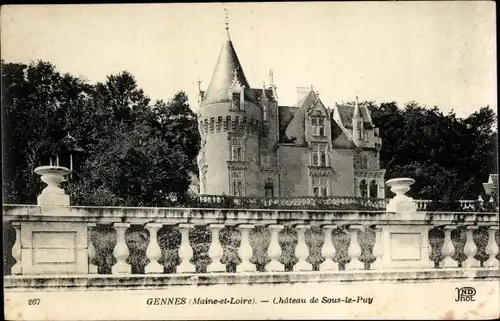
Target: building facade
(252,146)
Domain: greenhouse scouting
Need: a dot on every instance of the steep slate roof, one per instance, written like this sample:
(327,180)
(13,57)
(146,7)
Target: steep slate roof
(285,116)
(346,112)
(340,139)
(228,68)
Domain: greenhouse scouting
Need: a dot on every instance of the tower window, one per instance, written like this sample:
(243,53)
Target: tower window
(318,156)
(236,100)
(203,183)
(320,186)
(237,181)
(318,125)
(237,153)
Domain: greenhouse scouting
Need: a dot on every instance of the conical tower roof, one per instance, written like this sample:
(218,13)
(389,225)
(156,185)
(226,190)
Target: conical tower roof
(227,69)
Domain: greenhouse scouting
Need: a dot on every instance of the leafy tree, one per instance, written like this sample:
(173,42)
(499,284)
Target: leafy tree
(135,154)
(449,157)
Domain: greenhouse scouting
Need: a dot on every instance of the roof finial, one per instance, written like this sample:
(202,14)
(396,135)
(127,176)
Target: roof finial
(198,81)
(227,23)
(271,78)
(357,112)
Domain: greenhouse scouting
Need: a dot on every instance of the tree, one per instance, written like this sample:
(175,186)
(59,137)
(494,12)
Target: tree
(135,154)
(35,100)
(449,157)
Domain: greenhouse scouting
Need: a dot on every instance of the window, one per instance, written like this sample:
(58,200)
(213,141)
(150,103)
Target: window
(320,186)
(373,189)
(236,100)
(363,189)
(269,189)
(318,124)
(360,130)
(319,157)
(265,161)
(237,153)
(366,136)
(237,183)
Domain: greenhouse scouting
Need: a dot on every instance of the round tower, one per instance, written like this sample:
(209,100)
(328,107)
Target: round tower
(230,123)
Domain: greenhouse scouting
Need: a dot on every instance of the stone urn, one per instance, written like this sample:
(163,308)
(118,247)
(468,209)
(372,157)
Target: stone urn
(401,202)
(53,194)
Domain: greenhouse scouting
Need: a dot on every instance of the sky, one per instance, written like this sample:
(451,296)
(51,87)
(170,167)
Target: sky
(436,53)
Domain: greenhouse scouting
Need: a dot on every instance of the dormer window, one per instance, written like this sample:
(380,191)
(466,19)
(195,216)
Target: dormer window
(236,100)
(318,125)
(360,130)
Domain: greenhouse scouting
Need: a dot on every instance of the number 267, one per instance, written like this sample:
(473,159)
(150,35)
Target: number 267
(34,301)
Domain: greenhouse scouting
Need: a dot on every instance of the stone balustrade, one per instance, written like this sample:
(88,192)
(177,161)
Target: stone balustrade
(304,202)
(458,206)
(70,240)
(334,203)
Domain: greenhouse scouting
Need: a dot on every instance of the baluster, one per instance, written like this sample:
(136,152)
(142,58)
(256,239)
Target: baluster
(245,250)
(274,250)
(216,251)
(91,248)
(480,203)
(185,250)
(153,251)
(17,268)
(470,249)
(378,250)
(121,250)
(302,251)
(354,250)
(492,248)
(328,250)
(448,247)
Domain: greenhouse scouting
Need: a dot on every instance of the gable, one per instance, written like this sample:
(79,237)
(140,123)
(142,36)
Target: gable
(296,128)
(316,108)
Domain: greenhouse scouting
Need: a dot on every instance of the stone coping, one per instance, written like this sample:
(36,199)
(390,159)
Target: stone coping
(113,282)
(142,215)
(32,207)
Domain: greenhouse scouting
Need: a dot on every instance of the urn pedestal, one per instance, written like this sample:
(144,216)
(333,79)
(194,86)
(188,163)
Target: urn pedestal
(401,203)
(53,195)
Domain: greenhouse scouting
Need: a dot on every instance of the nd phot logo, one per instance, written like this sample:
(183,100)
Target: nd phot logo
(465,293)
